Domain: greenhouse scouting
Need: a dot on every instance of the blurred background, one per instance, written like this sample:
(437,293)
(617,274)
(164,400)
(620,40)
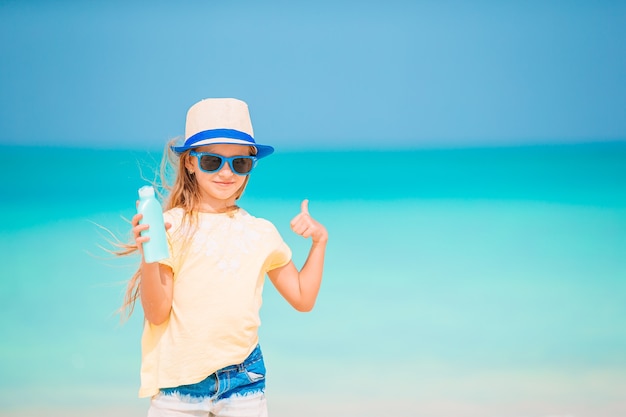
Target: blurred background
(468,158)
(324,75)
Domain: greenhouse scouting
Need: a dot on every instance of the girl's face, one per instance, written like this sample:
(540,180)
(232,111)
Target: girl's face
(218,189)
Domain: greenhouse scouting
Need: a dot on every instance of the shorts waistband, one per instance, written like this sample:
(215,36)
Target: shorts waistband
(255,356)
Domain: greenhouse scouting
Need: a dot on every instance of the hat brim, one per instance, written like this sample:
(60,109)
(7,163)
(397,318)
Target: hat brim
(262,150)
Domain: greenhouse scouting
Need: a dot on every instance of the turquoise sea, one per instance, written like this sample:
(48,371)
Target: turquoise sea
(466,282)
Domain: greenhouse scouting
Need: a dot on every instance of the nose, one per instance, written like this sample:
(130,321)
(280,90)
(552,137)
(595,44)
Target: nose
(225,170)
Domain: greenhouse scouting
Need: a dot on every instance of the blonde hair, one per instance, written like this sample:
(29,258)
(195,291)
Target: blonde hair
(182,193)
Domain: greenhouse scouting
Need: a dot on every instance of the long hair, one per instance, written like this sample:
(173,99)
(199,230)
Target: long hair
(179,190)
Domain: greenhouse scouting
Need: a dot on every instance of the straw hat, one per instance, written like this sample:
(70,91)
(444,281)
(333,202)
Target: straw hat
(220,121)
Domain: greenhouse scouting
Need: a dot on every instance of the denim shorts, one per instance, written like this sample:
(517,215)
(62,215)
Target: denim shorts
(236,390)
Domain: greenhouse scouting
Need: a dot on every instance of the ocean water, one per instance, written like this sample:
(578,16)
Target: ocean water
(479,282)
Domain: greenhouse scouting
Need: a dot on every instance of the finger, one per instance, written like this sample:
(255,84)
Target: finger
(304,207)
(296,227)
(304,227)
(140,228)
(304,232)
(301,220)
(296,220)
(136,219)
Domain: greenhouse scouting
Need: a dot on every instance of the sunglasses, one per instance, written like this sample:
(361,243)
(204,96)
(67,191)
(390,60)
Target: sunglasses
(210,162)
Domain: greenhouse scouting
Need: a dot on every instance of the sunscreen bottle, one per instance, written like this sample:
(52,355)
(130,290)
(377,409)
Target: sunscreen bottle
(156,248)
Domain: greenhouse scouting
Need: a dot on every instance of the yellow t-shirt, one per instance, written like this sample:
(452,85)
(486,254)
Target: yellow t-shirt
(219,267)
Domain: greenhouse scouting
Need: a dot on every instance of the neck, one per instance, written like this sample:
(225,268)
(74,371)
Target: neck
(213,208)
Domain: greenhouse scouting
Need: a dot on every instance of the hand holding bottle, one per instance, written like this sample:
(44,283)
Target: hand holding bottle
(149,227)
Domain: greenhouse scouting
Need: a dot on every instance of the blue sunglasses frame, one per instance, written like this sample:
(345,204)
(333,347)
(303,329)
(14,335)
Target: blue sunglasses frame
(224,159)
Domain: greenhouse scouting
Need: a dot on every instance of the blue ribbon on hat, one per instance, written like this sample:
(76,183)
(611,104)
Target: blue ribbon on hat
(262,150)
(219,133)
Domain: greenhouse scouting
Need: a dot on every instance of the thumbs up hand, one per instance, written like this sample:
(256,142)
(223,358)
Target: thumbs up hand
(304,225)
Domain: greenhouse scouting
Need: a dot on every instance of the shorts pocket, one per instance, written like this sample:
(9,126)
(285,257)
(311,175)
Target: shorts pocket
(254,377)
(255,371)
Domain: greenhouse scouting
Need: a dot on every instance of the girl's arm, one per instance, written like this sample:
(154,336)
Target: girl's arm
(156,283)
(300,289)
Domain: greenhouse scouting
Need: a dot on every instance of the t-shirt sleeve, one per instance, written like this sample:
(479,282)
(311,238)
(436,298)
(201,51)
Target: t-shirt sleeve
(280,254)
(279,257)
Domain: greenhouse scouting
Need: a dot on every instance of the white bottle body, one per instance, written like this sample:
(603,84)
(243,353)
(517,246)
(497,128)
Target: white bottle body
(156,248)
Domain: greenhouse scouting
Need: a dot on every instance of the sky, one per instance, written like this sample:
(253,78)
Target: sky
(316,75)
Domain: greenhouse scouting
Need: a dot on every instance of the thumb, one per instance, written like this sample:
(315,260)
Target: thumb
(304,207)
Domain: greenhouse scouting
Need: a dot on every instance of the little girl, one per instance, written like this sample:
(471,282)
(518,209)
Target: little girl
(200,352)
